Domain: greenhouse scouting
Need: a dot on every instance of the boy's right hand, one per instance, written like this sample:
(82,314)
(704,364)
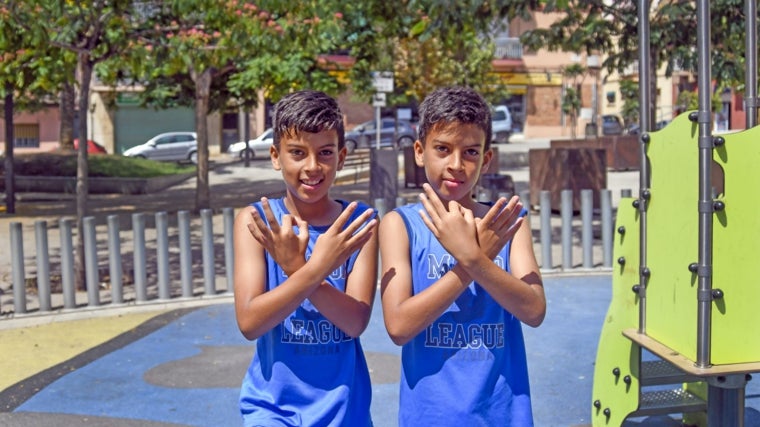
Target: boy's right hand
(337,244)
(287,248)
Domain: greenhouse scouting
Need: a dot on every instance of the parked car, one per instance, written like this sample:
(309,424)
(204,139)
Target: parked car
(633,129)
(257,147)
(611,125)
(364,135)
(501,124)
(92,147)
(169,146)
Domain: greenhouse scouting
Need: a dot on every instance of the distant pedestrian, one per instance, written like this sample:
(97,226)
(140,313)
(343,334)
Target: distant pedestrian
(305,273)
(458,278)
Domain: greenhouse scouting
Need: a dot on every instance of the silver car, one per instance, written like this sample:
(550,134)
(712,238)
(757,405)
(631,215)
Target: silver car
(169,146)
(257,147)
(365,135)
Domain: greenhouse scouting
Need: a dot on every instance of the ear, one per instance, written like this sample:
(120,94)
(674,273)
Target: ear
(274,156)
(419,149)
(487,157)
(342,157)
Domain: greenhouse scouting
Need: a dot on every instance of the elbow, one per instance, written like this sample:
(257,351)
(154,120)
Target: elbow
(534,322)
(355,329)
(250,332)
(400,340)
(398,336)
(536,318)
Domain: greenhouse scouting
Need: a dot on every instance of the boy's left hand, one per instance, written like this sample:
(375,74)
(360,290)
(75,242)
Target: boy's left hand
(287,248)
(499,225)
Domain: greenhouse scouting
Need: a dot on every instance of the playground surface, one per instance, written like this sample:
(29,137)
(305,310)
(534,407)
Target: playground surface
(183,366)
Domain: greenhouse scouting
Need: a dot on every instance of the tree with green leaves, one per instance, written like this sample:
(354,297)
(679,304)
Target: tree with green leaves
(215,55)
(30,72)
(571,99)
(611,28)
(428,44)
(80,35)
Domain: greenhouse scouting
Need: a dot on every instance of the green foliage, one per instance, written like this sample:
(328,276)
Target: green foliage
(427,44)
(629,93)
(65,164)
(611,28)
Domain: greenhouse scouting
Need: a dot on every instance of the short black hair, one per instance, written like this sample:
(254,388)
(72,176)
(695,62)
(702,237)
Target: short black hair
(454,104)
(307,111)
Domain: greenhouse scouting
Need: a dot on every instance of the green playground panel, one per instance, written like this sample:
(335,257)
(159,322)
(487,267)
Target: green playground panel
(672,243)
(672,224)
(736,239)
(617,356)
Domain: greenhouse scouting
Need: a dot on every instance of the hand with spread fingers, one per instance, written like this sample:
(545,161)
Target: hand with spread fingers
(284,245)
(341,240)
(499,225)
(453,225)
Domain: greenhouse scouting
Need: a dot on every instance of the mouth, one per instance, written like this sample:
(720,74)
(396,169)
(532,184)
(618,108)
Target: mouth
(452,183)
(311,183)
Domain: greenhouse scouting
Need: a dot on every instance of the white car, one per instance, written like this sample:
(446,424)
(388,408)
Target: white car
(257,147)
(501,123)
(169,146)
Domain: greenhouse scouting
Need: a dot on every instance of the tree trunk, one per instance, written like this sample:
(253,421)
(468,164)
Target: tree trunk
(10,182)
(68,103)
(85,66)
(202,95)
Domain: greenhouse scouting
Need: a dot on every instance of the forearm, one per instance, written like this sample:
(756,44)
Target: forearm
(349,314)
(522,299)
(263,312)
(419,311)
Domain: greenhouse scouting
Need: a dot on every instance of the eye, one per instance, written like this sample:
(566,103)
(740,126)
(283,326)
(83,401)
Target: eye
(441,148)
(472,152)
(296,152)
(327,152)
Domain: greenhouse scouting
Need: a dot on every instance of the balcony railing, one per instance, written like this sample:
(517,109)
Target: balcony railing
(508,48)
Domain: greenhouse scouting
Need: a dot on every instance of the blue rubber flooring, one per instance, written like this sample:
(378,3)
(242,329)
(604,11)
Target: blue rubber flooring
(187,372)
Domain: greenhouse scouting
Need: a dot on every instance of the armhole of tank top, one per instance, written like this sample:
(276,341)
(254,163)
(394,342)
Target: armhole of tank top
(407,225)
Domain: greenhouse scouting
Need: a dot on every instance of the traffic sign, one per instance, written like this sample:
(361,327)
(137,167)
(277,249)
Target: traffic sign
(378,99)
(382,81)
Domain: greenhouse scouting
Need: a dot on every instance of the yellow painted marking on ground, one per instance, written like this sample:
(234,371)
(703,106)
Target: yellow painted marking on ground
(30,350)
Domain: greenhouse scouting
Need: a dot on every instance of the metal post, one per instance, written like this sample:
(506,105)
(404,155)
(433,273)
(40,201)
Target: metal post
(140,270)
(17,264)
(43,265)
(162,254)
(91,262)
(380,207)
(587,227)
(645,126)
(705,205)
(114,260)
(750,62)
(229,255)
(545,204)
(209,277)
(67,263)
(185,253)
(607,226)
(566,212)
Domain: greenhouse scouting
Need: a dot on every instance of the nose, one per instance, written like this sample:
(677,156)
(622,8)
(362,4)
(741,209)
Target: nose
(312,163)
(455,161)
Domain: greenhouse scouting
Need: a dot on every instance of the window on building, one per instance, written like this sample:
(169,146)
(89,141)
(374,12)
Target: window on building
(26,136)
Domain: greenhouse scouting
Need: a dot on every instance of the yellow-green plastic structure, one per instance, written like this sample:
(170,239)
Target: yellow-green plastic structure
(672,245)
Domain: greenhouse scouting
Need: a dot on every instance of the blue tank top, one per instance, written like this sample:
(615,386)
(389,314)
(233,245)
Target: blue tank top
(468,368)
(306,371)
